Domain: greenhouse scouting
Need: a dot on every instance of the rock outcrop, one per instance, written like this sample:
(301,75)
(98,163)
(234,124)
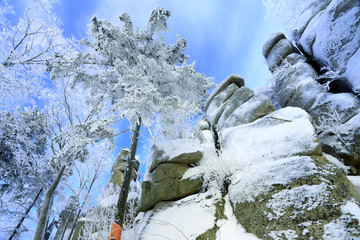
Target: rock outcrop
(335,115)
(269,178)
(168,163)
(266,173)
(328,31)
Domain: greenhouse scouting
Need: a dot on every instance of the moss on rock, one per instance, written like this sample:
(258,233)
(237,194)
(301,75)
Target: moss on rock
(309,204)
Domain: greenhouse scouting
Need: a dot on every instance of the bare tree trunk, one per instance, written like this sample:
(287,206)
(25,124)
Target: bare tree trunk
(82,205)
(125,186)
(40,227)
(25,215)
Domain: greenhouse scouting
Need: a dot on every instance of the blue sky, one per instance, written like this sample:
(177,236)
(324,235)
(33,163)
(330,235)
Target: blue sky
(223,37)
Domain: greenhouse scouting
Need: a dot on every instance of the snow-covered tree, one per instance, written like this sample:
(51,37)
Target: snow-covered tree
(76,127)
(39,149)
(144,77)
(25,49)
(23,142)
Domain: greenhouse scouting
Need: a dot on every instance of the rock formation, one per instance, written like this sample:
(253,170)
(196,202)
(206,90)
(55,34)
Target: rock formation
(164,180)
(267,179)
(328,32)
(275,174)
(328,38)
(269,168)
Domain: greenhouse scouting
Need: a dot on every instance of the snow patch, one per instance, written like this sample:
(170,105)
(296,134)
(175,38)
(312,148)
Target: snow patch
(279,235)
(301,199)
(340,228)
(187,219)
(272,137)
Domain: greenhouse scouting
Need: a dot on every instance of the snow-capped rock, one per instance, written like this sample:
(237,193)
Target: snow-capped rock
(329,32)
(268,180)
(256,107)
(298,84)
(242,95)
(184,151)
(282,49)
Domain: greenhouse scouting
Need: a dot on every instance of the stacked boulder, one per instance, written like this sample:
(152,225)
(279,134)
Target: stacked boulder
(164,180)
(119,166)
(261,175)
(297,84)
(232,104)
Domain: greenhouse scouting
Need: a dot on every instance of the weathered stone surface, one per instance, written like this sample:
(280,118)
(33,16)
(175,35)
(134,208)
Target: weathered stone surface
(297,87)
(271,42)
(281,50)
(233,78)
(342,106)
(343,140)
(255,108)
(337,119)
(294,58)
(217,105)
(331,34)
(306,16)
(166,184)
(119,166)
(241,95)
(200,126)
(185,151)
(309,207)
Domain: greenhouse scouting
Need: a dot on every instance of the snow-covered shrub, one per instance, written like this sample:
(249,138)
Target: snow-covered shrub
(97,225)
(98,221)
(330,123)
(217,170)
